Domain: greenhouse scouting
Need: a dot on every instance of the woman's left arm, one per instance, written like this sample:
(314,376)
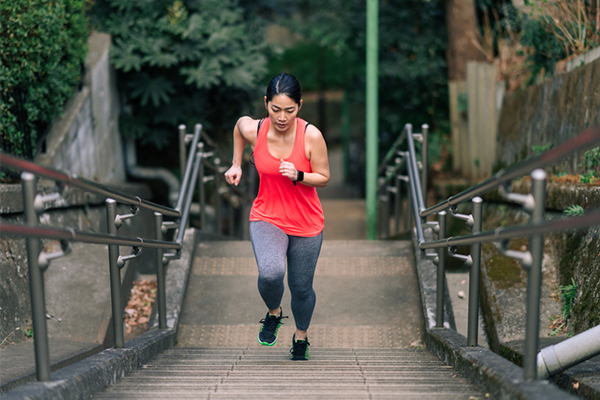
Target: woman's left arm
(316,152)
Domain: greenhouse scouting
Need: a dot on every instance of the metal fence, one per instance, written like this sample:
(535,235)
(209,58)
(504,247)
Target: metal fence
(198,162)
(400,169)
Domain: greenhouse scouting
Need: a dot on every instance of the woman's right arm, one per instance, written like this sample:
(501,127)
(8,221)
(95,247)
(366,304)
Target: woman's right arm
(241,136)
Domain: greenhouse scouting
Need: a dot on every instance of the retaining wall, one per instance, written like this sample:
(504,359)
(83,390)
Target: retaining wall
(549,113)
(86,140)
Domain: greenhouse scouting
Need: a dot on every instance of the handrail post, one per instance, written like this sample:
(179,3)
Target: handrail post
(441,273)
(182,158)
(231,214)
(201,190)
(397,203)
(161,292)
(36,282)
(424,161)
(412,159)
(218,195)
(534,281)
(473,323)
(408,210)
(115,276)
(246,221)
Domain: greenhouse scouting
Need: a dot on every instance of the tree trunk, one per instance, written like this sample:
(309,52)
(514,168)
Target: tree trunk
(461,22)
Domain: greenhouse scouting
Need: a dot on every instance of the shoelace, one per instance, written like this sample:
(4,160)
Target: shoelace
(271,322)
(299,347)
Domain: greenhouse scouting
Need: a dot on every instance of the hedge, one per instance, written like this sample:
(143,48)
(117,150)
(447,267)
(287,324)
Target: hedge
(43,45)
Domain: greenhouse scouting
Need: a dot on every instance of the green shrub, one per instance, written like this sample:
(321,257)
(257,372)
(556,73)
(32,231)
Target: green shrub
(182,63)
(545,48)
(42,49)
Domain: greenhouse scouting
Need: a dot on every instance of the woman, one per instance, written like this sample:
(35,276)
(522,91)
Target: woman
(286,219)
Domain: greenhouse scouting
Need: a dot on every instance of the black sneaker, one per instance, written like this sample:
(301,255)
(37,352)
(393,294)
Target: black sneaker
(267,335)
(299,350)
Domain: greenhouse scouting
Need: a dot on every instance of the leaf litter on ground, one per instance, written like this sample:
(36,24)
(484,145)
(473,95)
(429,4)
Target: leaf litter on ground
(139,307)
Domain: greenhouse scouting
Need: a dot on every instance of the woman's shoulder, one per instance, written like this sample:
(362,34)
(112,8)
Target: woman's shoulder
(248,125)
(311,131)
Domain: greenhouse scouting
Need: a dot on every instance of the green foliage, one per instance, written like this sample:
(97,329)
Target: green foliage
(315,66)
(587,177)
(42,49)
(568,294)
(29,333)
(539,149)
(574,210)
(182,62)
(412,64)
(546,50)
(591,158)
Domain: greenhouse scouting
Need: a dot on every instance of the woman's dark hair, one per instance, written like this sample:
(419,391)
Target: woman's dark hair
(284,84)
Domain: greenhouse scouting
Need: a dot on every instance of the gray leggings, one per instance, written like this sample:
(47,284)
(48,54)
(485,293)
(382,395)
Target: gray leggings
(271,246)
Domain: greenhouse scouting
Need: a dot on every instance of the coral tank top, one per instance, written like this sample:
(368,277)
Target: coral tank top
(294,209)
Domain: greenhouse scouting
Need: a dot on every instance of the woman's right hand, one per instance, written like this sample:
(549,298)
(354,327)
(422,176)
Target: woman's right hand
(233,175)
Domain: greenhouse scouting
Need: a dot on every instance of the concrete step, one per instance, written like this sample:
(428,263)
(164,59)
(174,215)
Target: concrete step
(250,373)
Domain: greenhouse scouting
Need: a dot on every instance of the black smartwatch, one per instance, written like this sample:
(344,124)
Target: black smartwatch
(300,176)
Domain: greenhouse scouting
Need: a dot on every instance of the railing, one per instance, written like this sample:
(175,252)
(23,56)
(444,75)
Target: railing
(166,250)
(400,166)
(214,163)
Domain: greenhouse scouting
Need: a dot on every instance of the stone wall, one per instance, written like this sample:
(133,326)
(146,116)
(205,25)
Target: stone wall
(549,113)
(86,140)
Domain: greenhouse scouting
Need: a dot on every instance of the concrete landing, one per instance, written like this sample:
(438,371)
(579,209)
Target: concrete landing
(367,296)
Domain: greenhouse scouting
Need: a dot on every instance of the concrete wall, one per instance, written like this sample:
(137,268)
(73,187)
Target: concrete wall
(551,112)
(86,139)
(76,209)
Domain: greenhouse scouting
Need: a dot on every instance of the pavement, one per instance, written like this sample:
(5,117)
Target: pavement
(359,285)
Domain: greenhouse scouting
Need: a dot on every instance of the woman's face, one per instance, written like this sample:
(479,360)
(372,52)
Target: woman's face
(282,111)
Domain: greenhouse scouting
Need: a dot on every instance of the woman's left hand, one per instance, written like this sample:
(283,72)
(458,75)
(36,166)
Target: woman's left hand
(288,169)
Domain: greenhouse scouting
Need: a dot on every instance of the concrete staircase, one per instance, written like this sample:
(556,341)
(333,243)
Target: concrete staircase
(259,373)
(366,333)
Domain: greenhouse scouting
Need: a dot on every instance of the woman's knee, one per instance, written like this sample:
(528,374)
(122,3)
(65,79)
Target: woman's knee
(302,293)
(271,276)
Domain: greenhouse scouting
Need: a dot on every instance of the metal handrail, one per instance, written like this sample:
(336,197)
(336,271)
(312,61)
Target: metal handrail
(38,260)
(392,152)
(189,166)
(74,235)
(583,141)
(496,235)
(84,184)
(535,365)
